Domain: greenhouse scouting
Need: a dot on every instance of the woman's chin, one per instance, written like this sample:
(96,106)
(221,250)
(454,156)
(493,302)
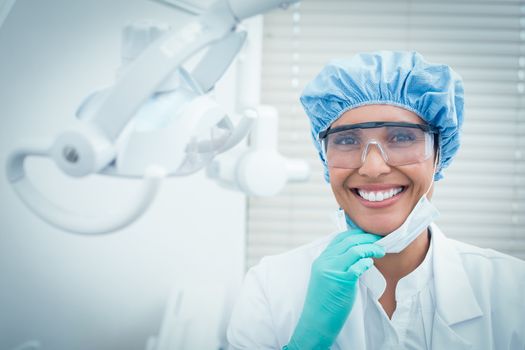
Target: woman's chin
(378,222)
(377,228)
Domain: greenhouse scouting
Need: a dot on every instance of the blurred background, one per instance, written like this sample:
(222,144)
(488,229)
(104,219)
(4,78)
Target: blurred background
(110,292)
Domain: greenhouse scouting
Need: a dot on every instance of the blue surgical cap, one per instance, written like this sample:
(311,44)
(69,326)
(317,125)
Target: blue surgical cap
(432,91)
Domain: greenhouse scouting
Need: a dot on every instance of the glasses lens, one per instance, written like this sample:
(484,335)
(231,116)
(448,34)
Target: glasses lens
(407,145)
(399,145)
(344,148)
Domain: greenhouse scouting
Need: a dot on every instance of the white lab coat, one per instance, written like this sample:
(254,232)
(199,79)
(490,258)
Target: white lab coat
(479,300)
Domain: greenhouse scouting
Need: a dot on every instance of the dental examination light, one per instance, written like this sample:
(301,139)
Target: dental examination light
(158,119)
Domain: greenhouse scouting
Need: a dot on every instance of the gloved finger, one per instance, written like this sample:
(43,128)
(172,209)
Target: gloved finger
(342,235)
(352,240)
(356,253)
(356,270)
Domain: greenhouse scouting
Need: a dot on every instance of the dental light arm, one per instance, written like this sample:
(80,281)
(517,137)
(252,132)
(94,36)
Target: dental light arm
(171,51)
(104,139)
(243,9)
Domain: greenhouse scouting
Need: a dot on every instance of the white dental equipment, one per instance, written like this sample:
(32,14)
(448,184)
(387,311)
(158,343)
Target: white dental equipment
(158,120)
(260,170)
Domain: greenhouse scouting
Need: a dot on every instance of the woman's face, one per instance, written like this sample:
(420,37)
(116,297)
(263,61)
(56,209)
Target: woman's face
(374,175)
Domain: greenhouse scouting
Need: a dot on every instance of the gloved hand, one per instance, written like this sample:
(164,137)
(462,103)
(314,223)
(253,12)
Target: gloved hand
(332,289)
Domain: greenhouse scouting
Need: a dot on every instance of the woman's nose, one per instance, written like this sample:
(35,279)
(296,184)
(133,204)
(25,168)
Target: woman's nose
(374,164)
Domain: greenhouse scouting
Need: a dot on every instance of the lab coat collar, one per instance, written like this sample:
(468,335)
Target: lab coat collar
(407,287)
(455,299)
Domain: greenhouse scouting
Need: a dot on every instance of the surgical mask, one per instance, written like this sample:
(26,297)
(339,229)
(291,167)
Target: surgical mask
(421,216)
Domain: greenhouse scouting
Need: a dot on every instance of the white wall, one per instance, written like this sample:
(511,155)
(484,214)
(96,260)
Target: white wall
(106,292)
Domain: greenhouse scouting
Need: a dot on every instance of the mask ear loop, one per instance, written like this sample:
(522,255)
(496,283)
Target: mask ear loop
(434,169)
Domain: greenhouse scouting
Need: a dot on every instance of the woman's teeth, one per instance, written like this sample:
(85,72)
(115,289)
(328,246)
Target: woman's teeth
(380,195)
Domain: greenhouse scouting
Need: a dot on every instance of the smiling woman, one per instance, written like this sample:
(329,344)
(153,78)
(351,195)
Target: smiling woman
(386,124)
(382,165)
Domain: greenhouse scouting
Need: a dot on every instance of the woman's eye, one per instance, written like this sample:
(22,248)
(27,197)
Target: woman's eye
(402,138)
(346,140)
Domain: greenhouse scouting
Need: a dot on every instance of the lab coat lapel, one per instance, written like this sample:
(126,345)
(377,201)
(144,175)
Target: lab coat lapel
(444,337)
(455,300)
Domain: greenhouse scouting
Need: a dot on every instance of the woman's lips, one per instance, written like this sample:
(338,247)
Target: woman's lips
(379,195)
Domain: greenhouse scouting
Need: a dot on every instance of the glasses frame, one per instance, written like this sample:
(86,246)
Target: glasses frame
(373,125)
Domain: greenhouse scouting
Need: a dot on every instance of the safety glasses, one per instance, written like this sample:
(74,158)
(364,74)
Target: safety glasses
(399,143)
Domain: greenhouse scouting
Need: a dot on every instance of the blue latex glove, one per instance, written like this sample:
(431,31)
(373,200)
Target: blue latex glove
(332,288)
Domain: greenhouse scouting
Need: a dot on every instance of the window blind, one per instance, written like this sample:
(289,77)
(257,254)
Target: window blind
(482,197)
